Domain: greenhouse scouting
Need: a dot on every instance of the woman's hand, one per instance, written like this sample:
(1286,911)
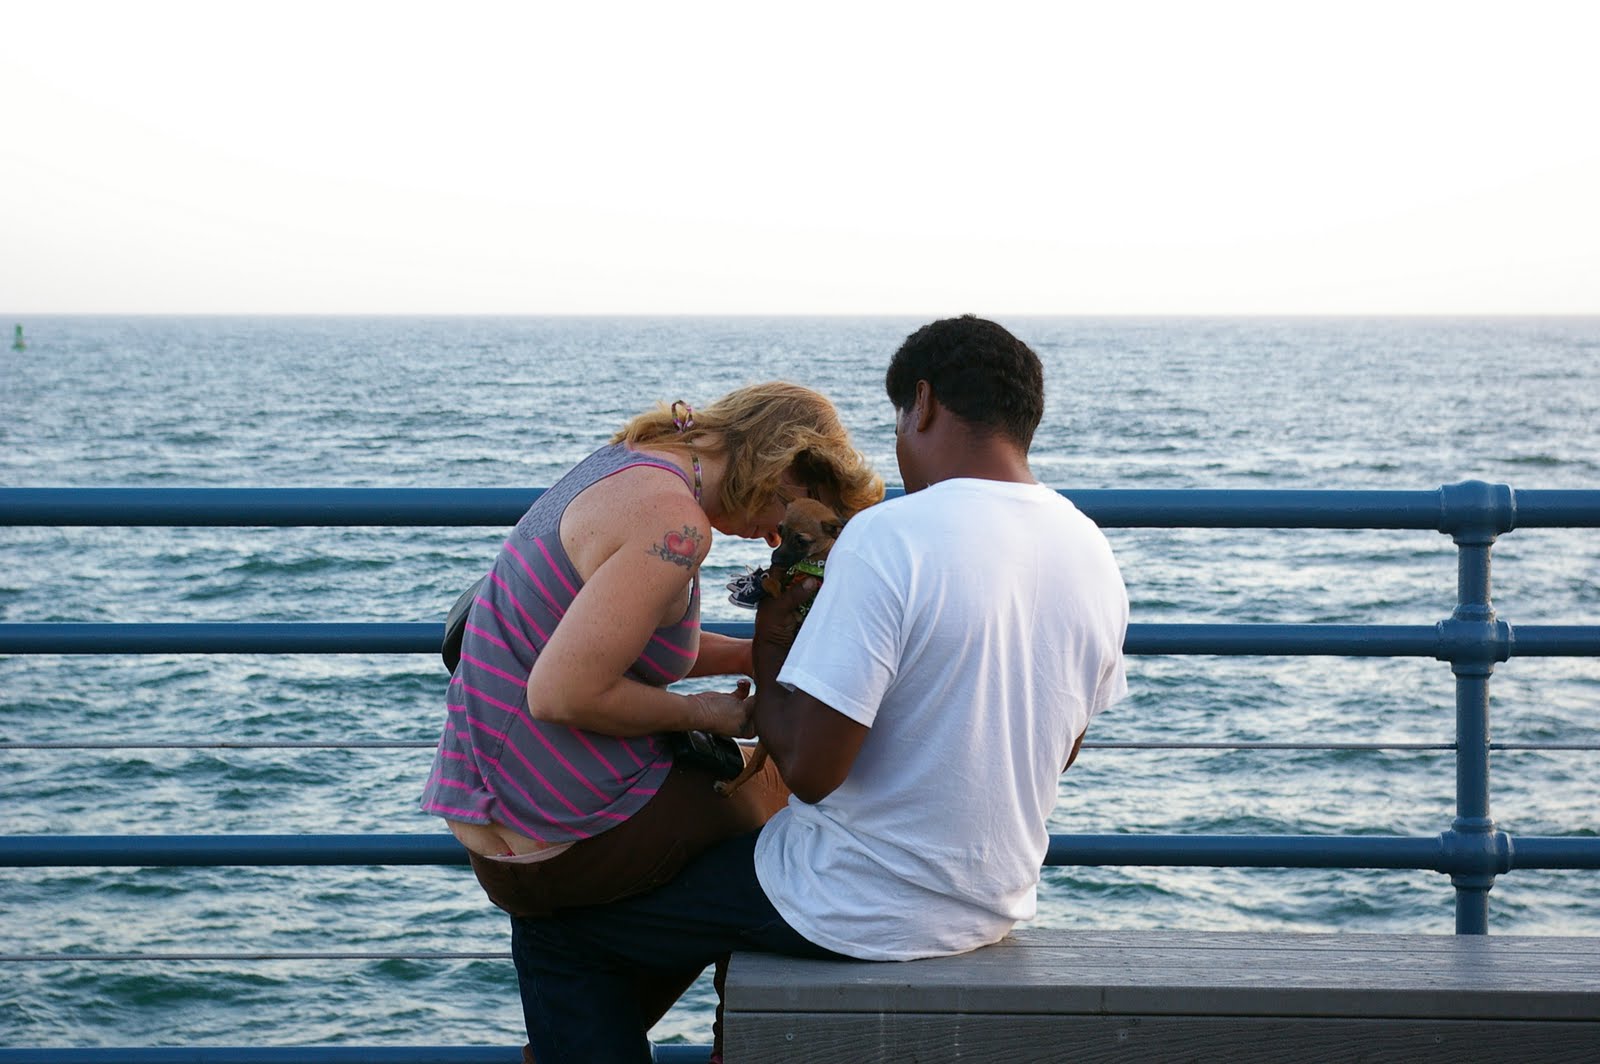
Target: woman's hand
(726,713)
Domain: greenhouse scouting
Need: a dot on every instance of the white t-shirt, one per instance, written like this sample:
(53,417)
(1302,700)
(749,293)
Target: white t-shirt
(975,627)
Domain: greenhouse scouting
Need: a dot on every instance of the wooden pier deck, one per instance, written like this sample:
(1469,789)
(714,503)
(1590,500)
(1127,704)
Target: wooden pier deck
(1286,998)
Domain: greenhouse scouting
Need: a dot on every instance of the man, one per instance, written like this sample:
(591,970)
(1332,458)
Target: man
(944,678)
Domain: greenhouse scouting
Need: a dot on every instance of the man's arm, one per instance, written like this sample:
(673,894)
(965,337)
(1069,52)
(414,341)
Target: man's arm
(1076,746)
(812,744)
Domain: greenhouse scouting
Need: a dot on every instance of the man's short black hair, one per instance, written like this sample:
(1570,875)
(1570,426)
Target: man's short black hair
(977,370)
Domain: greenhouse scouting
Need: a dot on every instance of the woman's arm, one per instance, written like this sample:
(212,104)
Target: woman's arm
(722,655)
(579,678)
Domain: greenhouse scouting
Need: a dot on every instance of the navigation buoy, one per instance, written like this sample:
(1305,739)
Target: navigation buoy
(17,344)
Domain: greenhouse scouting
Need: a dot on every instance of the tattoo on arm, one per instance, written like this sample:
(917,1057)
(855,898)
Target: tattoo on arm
(679,548)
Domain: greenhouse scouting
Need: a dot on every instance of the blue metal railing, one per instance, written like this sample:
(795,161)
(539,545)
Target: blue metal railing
(1473,851)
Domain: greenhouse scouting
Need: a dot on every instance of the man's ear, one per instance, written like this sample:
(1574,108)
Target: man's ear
(922,406)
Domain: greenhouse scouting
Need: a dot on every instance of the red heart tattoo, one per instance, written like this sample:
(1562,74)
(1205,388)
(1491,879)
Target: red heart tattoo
(678,547)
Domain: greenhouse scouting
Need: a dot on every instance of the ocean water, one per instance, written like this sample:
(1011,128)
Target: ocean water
(506,402)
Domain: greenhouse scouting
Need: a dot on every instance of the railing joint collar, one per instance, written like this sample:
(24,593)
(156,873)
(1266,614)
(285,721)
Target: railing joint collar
(1473,852)
(1473,640)
(1474,512)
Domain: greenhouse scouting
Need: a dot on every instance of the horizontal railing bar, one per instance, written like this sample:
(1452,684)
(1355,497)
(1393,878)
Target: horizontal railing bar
(1265,744)
(170,851)
(1258,508)
(278,1055)
(222,638)
(264,507)
(1334,640)
(1557,508)
(1518,747)
(1556,641)
(1439,509)
(1240,851)
(428,744)
(1538,851)
(661,1054)
(1268,744)
(1339,640)
(1316,851)
(424,744)
(407,744)
(262,955)
(1248,851)
(1117,746)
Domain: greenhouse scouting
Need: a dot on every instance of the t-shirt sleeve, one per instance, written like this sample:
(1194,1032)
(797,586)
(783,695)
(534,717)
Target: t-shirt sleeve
(847,653)
(1113,686)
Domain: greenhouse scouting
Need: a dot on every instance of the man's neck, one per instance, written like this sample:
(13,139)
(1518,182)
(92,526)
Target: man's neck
(977,457)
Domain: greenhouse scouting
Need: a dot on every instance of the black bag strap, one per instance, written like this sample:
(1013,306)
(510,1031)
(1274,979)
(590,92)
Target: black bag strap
(455,624)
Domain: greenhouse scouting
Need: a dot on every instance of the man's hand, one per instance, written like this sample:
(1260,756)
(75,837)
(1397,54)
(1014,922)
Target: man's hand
(812,744)
(777,622)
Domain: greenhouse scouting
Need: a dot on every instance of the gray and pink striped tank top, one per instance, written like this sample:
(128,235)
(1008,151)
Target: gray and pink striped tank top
(550,782)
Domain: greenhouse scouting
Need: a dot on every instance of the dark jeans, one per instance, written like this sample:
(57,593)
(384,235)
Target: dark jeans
(686,817)
(582,970)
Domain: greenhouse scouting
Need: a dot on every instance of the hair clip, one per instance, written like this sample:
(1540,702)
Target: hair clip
(684,421)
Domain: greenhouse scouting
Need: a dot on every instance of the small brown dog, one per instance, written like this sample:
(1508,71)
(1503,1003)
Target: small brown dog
(808,530)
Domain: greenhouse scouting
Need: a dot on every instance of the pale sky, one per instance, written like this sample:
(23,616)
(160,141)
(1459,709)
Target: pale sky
(895,158)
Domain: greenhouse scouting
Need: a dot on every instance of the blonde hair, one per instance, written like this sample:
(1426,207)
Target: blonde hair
(764,431)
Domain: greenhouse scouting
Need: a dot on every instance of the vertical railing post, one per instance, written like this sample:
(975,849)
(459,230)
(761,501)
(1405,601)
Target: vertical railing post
(1473,640)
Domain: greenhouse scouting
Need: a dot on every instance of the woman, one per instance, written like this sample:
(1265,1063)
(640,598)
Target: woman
(552,769)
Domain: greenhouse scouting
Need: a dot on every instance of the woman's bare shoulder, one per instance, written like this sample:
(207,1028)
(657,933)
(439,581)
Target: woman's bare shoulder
(645,508)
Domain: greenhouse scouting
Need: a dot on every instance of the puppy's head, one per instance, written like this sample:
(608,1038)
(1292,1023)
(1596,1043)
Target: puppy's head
(808,530)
